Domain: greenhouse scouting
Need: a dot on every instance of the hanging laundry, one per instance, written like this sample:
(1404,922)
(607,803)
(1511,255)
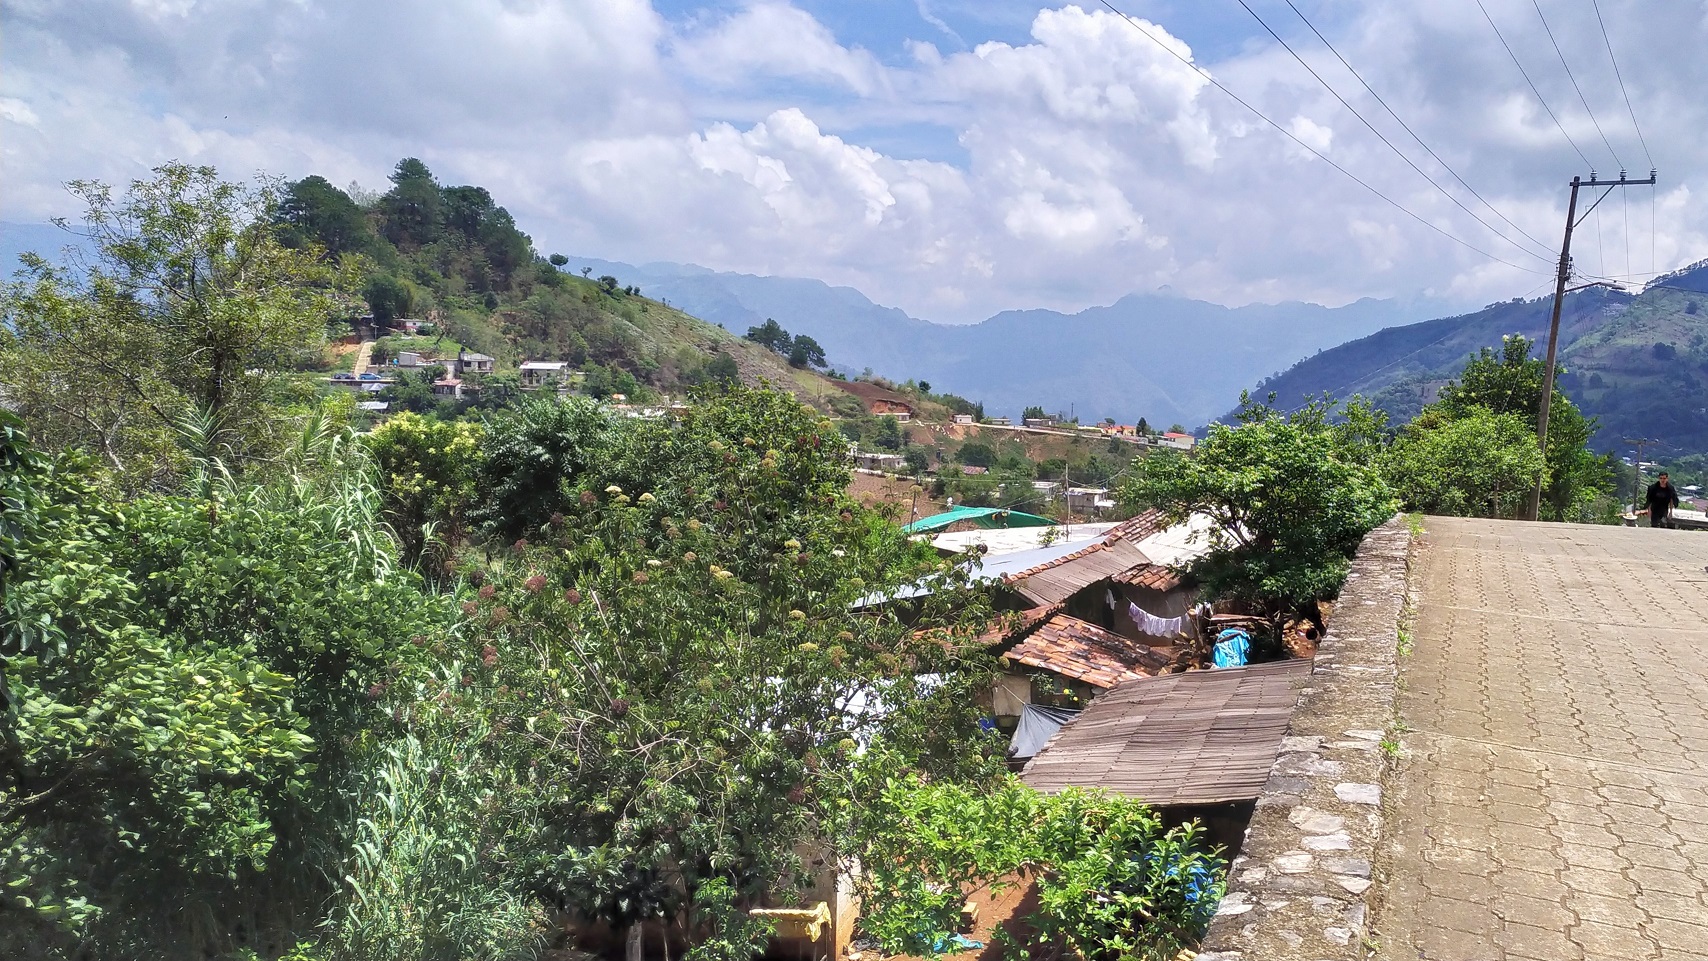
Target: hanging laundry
(1232,648)
(1156,626)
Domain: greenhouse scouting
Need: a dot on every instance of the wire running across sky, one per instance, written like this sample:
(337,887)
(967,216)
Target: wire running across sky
(1236,98)
(1573,78)
(1545,258)
(1533,88)
(1407,127)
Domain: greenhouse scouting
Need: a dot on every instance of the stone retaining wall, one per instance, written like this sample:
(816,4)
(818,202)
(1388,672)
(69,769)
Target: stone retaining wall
(1299,889)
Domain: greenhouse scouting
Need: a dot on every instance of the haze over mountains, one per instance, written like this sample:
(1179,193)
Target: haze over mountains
(1165,358)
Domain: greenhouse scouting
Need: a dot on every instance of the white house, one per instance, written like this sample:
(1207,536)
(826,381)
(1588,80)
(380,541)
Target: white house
(538,373)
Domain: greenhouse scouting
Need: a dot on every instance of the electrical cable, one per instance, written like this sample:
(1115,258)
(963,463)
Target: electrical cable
(1405,126)
(1569,76)
(1533,88)
(1308,148)
(1623,92)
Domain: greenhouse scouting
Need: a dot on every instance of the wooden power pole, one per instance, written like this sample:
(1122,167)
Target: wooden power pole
(1564,275)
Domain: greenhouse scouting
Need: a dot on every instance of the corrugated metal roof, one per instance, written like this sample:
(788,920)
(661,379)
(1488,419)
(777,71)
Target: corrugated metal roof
(1063,577)
(1202,737)
(1070,647)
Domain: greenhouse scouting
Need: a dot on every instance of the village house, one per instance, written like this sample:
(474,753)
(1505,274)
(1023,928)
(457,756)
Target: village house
(451,387)
(1178,441)
(409,360)
(471,363)
(999,421)
(880,461)
(1089,500)
(540,373)
(963,418)
(1038,422)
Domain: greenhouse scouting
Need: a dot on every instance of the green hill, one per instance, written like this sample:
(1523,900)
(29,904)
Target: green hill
(452,256)
(1639,364)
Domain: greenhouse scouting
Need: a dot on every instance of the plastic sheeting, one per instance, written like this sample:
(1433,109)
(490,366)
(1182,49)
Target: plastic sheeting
(1038,723)
(1232,648)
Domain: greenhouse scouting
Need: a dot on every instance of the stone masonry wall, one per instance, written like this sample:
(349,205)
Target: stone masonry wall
(1299,888)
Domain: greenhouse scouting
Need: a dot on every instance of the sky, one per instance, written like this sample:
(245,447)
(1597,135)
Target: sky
(950,157)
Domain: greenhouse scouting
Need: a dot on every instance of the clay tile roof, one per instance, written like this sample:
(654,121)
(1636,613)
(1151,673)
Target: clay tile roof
(1138,528)
(1202,737)
(1070,647)
(1153,576)
(1057,580)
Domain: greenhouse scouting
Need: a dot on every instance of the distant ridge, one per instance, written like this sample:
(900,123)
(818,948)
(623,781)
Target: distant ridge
(1159,356)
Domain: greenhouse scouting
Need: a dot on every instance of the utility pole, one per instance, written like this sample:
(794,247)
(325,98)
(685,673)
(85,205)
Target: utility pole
(1637,488)
(1564,275)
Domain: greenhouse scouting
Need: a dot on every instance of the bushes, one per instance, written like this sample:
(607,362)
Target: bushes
(1113,882)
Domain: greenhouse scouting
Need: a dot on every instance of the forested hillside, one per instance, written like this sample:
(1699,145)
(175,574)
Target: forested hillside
(1638,364)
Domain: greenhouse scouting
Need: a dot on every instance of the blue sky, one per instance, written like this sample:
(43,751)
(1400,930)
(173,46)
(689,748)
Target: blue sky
(951,157)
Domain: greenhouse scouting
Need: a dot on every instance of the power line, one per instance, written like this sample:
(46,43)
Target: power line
(1569,76)
(1408,129)
(1623,92)
(1326,86)
(1533,88)
(1307,147)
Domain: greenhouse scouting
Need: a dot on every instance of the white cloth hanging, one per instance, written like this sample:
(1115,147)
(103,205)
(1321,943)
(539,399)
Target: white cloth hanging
(1155,626)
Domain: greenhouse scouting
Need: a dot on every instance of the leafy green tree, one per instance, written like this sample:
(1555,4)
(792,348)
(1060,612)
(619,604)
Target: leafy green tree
(427,470)
(1290,499)
(886,434)
(1479,464)
(313,211)
(689,647)
(805,352)
(559,260)
(976,454)
(1113,880)
(195,678)
(771,336)
(918,459)
(412,209)
(1511,382)
(609,283)
(535,453)
(188,301)
(389,297)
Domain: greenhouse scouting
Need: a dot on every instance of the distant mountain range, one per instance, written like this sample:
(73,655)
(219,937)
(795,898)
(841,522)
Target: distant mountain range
(1637,363)
(1164,358)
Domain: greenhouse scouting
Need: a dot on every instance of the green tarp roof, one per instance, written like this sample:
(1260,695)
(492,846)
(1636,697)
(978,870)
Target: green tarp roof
(988,517)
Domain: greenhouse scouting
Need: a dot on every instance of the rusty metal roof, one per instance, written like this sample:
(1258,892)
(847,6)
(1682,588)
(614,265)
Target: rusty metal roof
(1202,737)
(1066,645)
(1059,579)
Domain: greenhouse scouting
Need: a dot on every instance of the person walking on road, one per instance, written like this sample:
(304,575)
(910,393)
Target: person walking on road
(1662,500)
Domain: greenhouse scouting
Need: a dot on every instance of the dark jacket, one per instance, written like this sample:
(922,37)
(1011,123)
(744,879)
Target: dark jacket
(1661,500)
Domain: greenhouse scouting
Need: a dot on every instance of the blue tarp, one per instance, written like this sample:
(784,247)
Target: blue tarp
(1232,648)
(986,517)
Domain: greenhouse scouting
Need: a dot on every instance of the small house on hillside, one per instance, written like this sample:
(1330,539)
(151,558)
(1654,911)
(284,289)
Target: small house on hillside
(540,373)
(880,461)
(1178,441)
(1038,422)
(409,360)
(471,363)
(450,387)
(963,418)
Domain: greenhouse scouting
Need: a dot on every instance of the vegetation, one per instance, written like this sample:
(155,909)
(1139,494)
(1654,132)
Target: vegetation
(1474,451)
(1113,882)
(801,350)
(1291,496)
(440,690)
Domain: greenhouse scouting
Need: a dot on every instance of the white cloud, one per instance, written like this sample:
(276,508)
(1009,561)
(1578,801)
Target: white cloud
(1087,162)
